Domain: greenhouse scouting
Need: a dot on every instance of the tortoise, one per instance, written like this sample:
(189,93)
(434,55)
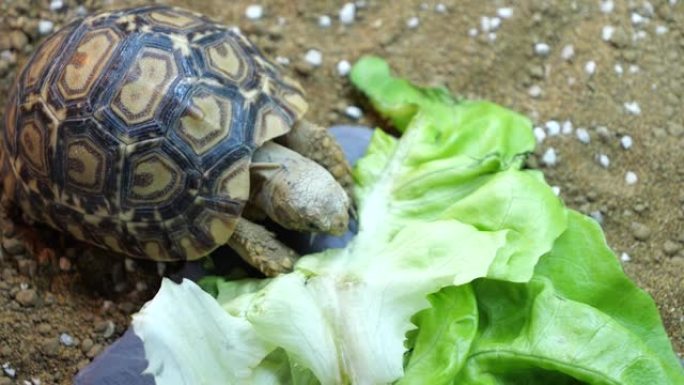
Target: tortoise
(156,133)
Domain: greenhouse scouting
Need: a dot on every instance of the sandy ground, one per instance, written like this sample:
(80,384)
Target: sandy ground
(591,70)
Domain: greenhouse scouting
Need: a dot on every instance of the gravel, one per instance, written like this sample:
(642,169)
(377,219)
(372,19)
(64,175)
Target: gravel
(626,142)
(671,247)
(550,158)
(353,112)
(314,57)
(542,49)
(553,128)
(505,12)
(413,22)
(324,21)
(254,12)
(640,231)
(343,67)
(568,52)
(583,135)
(66,340)
(633,108)
(590,67)
(604,160)
(630,177)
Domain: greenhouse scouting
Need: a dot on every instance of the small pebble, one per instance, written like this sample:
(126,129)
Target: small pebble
(254,12)
(314,57)
(413,22)
(583,135)
(633,69)
(324,21)
(603,160)
(505,13)
(282,60)
(597,215)
(50,346)
(567,128)
(343,67)
(553,128)
(590,67)
(94,351)
(661,30)
(556,190)
(638,19)
(539,134)
(66,340)
(45,27)
(472,32)
(624,257)
(607,32)
(633,108)
(568,52)
(671,247)
(640,231)
(56,5)
(630,177)
(347,13)
(542,49)
(550,158)
(618,69)
(353,112)
(607,6)
(441,8)
(9,370)
(535,91)
(626,142)
(27,297)
(603,133)
(86,345)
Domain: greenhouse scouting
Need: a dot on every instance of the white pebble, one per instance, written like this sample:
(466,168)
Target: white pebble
(556,190)
(495,23)
(553,127)
(485,23)
(630,177)
(607,32)
(583,135)
(590,67)
(640,35)
(638,19)
(9,371)
(539,134)
(353,112)
(567,128)
(473,32)
(81,11)
(254,12)
(324,21)
(491,36)
(661,30)
(413,22)
(633,69)
(603,160)
(550,158)
(45,27)
(633,108)
(597,215)
(534,91)
(542,49)
(626,142)
(607,6)
(56,5)
(282,60)
(624,257)
(618,69)
(568,52)
(441,8)
(348,13)
(505,13)
(314,57)
(66,339)
(343,68)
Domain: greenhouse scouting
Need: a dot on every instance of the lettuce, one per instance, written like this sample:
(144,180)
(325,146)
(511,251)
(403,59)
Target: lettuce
(466,269)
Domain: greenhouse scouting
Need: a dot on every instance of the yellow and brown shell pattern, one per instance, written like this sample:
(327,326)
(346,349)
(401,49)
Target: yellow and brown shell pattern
(133,130)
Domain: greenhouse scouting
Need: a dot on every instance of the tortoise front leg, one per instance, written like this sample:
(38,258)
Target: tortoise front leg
(260,248)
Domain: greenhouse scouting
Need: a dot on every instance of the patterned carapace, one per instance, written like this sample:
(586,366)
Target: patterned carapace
(133,130)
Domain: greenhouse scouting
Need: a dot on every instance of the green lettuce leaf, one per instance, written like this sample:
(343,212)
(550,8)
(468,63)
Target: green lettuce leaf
(466,269)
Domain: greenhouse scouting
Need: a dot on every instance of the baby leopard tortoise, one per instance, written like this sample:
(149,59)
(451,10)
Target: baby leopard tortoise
(148,131)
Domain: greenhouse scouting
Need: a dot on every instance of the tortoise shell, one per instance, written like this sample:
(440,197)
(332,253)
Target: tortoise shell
(133,130)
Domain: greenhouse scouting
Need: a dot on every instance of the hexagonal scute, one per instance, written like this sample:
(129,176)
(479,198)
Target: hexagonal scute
(206,121)
(146,83)
(173,18)
(85,65)
(270,123)
(226,58)
(33,146)
(154,179)
(233,182)
(44,55)
(86,164)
